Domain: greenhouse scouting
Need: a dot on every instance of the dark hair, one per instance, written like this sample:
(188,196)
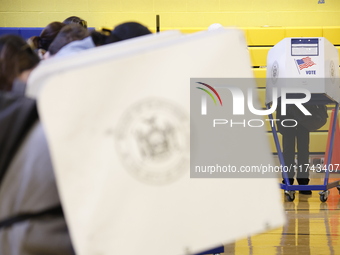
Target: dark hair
(128,30)
(16,56)
(99,38)
(121,32)
(47,35)
(76,20)
(67,34)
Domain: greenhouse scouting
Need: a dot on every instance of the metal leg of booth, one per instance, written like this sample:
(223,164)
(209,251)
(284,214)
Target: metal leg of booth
(289,194)
(324,194)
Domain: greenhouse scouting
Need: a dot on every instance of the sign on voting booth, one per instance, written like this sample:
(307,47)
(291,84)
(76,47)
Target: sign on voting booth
(121,194)
(306,63)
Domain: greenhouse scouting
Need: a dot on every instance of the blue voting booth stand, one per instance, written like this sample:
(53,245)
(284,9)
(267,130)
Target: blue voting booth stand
(289,189)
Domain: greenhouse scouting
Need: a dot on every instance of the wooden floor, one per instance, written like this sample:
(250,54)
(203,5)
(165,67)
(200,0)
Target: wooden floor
(312,228)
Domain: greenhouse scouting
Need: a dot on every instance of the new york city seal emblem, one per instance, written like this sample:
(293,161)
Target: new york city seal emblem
(153,141)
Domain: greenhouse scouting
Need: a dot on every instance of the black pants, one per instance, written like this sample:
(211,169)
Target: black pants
(298,135)
(292,136)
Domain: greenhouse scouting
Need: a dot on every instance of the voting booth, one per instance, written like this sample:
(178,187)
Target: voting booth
(304,65)
(118,123)
(307,63)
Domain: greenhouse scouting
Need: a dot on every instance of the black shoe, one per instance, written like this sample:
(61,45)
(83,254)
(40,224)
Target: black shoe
(305,192)
(303,181)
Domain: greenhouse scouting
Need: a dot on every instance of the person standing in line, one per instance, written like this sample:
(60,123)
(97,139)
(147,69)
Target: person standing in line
(31,216)
(291,136)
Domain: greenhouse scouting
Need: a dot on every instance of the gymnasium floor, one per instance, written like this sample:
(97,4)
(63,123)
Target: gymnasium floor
(312,228)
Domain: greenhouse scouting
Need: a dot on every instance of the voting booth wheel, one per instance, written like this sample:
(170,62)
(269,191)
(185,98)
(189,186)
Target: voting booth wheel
(324,195)
(289,195)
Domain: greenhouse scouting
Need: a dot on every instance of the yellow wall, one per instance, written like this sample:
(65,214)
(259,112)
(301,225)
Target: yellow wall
(174,13)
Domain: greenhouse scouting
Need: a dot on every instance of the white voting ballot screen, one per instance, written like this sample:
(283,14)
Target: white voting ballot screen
(98,118)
